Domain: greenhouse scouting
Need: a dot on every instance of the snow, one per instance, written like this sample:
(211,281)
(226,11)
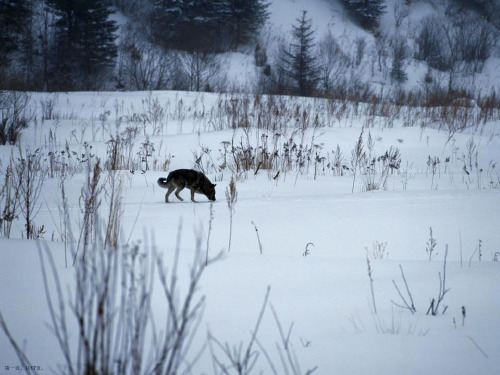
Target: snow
(325,294)
(330,16)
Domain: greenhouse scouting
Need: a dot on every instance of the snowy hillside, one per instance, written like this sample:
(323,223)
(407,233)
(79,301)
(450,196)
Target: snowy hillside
(330,235)
(401,18)
(410,47)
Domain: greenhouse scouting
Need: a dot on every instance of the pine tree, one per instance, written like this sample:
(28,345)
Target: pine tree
(366,12)
(13,17)
(188,25)
(166,17)
(203,24)
(98,42)
(299,60)
(399,53)
(210,25)
(85,44)
(245,18)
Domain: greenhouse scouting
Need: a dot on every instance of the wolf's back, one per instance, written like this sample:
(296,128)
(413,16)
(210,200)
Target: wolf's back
(183,177)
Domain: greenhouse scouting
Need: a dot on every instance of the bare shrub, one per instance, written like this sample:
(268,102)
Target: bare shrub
(49,107)
(357,156)
(102,324)
(273,152)
(30,175)
(231,198)
(239,361)
(332,63)
(114,154)
(379,168)
(9,200)
(13,116)
(378,250)
(145,154)
(432,47)
(113,189)
(242,359)
(90,201)
(435,302)
(408,301)
(431,245)
(142,65)
(155,113)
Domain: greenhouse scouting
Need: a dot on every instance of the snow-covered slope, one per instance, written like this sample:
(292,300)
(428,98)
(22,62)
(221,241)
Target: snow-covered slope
(331,16)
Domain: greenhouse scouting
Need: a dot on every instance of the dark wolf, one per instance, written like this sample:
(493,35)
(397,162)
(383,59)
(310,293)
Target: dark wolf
(195,181)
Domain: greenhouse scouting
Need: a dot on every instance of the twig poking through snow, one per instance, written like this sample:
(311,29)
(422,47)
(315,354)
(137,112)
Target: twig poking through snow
(478,347)
(258,238)
(406,305)
(371,283)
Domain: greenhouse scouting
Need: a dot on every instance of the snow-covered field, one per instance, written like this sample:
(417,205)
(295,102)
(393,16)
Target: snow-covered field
(325,293)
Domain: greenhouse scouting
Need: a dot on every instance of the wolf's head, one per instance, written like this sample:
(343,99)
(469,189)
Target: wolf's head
(209,191)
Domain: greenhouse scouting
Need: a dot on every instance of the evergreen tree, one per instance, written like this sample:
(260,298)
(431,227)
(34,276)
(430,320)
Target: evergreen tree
(207,25)
(99,48)
(85,45)
(203,24)
(366,12)
(398,55)
(299,60)
(188,24)
(245,18)
(13,17)
(167,17)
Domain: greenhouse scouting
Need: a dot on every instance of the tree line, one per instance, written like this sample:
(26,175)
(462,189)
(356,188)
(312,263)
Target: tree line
(62,45)
(56,45)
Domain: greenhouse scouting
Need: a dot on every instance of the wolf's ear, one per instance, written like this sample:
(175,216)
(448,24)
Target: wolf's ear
(214,185)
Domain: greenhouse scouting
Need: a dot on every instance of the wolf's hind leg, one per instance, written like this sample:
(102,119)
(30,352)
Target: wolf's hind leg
(170,190)
(177,193)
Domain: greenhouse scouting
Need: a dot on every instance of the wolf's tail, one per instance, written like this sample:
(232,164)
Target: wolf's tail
(163,182)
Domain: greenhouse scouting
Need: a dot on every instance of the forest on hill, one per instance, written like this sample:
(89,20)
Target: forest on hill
(56,45)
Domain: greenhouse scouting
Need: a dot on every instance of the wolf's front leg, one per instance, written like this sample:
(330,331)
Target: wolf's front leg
(192,195)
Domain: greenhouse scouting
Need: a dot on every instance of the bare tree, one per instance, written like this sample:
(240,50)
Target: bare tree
(201,69)
(332,62)
(382,53)
(401,12)
(275,79)
(142,65)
